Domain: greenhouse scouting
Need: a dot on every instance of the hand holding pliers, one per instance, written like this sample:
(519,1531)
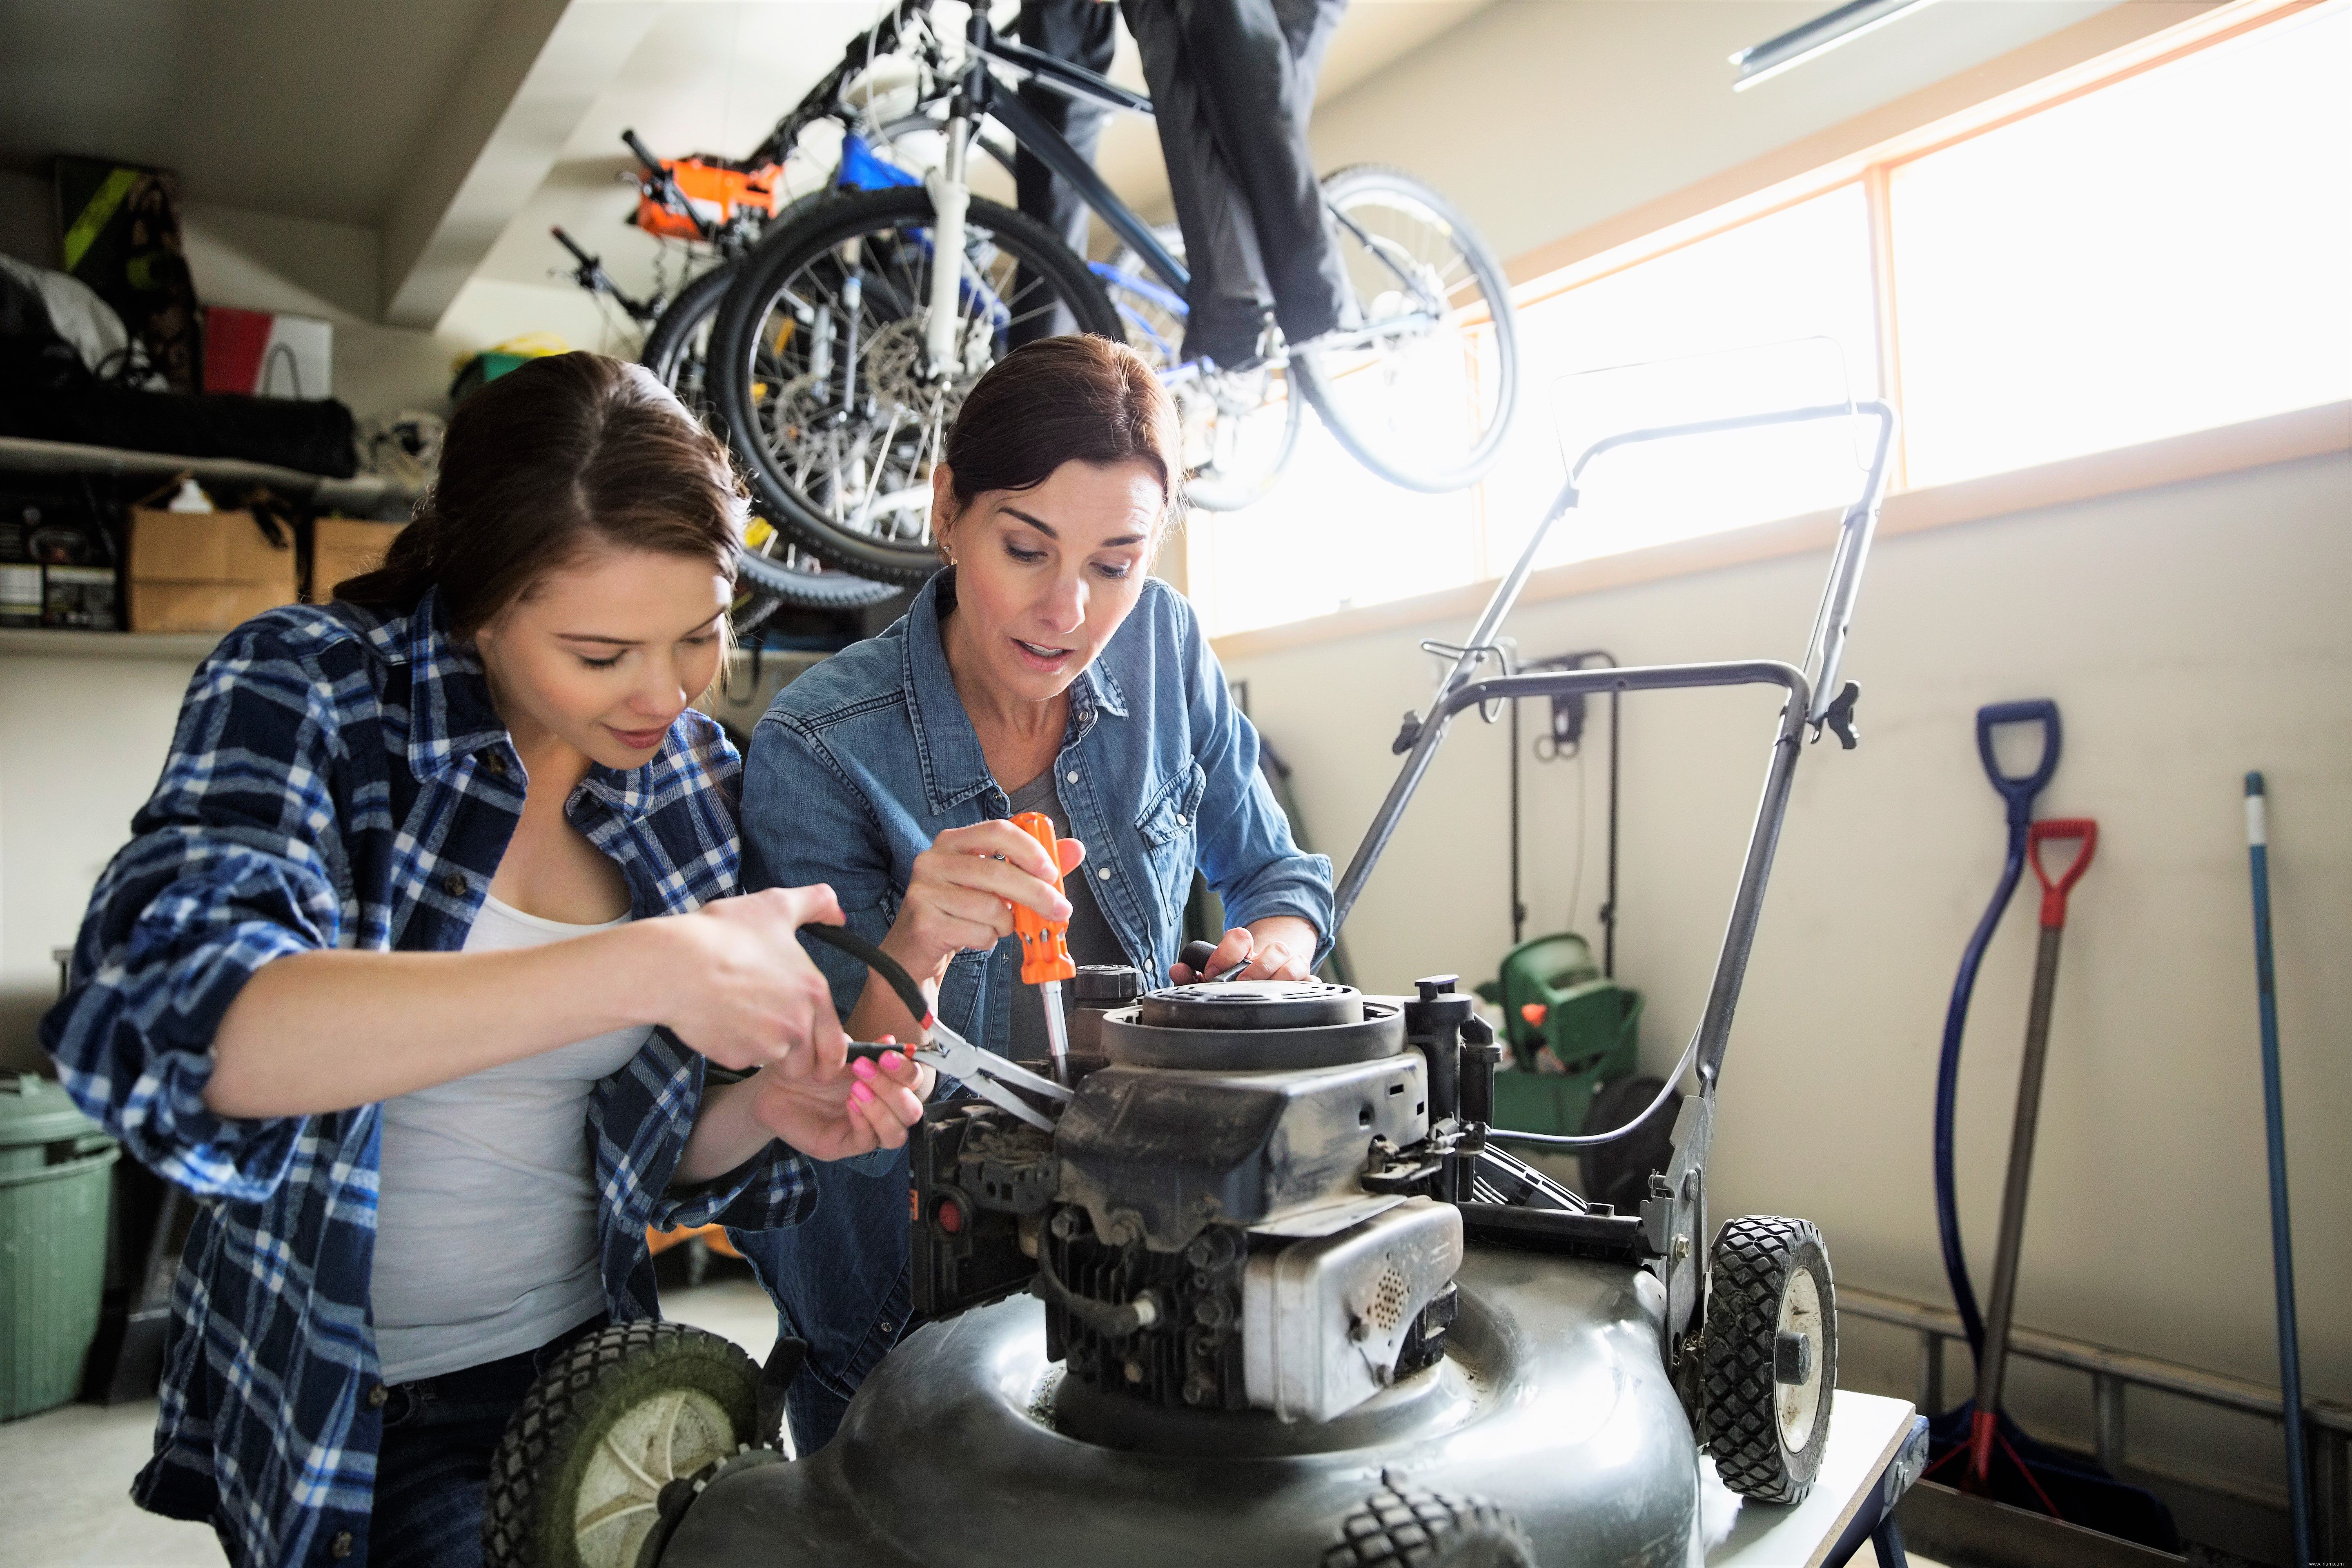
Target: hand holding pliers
(997,1079)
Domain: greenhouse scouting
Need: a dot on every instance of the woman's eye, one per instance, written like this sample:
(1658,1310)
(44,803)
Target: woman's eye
(1116,571)
(1026,557)
(601,663)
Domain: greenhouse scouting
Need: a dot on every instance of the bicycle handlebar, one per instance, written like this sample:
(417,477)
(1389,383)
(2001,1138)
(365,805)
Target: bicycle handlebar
(823,98)
(664,183)
(587,262)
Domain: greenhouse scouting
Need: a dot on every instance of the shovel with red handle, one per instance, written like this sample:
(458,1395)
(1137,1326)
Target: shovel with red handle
(1985,1420)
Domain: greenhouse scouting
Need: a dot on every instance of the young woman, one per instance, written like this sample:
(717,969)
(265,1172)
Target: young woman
(412,966)
(1042,670)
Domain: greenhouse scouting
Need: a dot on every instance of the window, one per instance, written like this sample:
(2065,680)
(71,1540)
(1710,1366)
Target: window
(1641,347)
(2166,252)
(2169,253)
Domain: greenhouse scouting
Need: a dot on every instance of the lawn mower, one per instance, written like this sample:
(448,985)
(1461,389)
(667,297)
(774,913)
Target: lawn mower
(1260,1282)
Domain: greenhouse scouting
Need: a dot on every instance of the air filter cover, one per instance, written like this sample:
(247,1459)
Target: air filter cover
(1252,1005)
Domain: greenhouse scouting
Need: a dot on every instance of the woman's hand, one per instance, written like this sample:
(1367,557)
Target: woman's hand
(962,894)
(1278,947)
(846,1113)
(742,992)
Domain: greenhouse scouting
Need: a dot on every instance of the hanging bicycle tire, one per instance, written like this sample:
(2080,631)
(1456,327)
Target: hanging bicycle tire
(771,572)
(816,364)
(1423,394)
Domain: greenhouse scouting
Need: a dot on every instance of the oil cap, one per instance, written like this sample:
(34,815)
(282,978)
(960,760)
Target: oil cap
(1106,986)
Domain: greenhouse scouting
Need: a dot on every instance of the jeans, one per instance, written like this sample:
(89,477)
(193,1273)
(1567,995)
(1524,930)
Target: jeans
(439,1434)
(842,1281)
(1233,85)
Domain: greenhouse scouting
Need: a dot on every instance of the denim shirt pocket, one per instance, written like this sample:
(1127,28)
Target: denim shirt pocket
(1169,825)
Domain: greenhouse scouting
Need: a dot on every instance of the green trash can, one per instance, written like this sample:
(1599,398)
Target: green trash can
(54,1183)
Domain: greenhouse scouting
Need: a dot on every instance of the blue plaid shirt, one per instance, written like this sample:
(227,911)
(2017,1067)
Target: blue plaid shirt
(340,779)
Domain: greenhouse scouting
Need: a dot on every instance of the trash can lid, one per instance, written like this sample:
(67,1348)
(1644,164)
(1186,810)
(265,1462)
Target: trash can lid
(34,1111)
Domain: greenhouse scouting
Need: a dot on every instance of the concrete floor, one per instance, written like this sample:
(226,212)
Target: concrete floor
(64,1475)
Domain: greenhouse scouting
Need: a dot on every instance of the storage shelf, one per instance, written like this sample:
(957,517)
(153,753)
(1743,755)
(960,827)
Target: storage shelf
(180,647)
(365,493)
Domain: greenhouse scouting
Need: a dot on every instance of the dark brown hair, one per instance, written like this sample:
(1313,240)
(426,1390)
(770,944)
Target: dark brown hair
(1060,400)
(545,464)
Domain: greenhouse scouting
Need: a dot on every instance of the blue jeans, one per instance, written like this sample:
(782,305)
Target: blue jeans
(842,1281)
(439,1434)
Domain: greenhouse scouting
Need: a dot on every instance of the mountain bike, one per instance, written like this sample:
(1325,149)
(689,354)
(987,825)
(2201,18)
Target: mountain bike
(841,352)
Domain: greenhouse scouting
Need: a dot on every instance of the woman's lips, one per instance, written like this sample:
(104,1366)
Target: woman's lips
(1040,655)
(639,740)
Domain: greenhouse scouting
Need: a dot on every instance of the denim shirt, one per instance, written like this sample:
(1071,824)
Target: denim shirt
(864,760)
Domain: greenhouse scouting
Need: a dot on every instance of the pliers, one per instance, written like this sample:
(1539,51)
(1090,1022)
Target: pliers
(997,1079)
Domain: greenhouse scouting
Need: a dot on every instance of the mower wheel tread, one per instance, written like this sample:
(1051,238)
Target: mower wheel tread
(1404,1526)
(1755,1256)
(535,1469)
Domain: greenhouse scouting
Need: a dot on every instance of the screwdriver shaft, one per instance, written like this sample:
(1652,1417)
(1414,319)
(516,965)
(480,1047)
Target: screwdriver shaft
(1057,1030)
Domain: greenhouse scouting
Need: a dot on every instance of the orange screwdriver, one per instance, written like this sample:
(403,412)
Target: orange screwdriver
(1045,948)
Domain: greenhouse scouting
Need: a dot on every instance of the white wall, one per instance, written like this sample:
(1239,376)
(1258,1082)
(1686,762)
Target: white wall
(86,738)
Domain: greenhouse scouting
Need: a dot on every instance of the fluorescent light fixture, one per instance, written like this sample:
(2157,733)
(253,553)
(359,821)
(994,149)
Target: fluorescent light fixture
(1824,33)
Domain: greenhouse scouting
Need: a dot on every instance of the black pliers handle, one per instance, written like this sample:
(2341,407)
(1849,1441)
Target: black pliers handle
(1001,1082)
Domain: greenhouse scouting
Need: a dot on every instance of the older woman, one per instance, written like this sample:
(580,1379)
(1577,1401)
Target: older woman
(1043,669)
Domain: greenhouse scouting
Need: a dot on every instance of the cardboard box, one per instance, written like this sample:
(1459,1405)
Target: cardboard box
(341,548)
(205,572)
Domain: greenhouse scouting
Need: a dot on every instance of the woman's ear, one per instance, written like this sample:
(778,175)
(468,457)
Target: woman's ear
(943,511)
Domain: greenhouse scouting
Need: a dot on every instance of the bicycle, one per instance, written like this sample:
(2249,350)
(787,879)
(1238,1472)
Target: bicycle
(723,204)
(840,353)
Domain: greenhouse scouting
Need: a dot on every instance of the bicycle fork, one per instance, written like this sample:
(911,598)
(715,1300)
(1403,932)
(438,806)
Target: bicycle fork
(951,199)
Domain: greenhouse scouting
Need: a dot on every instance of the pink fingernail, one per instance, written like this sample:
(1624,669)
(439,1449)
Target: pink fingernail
(863,1067)
(859,1091)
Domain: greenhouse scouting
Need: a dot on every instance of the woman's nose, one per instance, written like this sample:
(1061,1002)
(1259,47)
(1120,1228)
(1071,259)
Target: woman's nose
(1065,605)
(659,695)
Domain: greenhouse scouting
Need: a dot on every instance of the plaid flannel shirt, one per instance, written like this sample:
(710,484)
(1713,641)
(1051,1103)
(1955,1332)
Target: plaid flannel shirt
(340,779)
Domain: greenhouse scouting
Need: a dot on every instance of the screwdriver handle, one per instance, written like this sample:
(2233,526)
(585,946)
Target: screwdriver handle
(1045,945)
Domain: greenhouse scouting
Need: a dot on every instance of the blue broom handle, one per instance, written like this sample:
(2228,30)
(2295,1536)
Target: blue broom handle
(2258,856)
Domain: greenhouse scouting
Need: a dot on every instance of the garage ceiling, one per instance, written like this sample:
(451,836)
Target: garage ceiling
(459,130)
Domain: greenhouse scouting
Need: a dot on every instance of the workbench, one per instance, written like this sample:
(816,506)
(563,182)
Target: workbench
(1878,1446)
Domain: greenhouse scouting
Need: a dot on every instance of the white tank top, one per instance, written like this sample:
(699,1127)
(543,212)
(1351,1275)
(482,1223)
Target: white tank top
(486,1205)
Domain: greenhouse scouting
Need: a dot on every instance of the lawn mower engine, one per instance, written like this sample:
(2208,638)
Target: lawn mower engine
(1242,1209)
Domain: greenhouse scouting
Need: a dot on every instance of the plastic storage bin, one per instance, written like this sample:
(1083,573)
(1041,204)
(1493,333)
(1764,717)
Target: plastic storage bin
(54,1183)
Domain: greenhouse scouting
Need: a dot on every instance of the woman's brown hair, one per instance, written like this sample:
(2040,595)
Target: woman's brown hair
(556,459)
(1062,400)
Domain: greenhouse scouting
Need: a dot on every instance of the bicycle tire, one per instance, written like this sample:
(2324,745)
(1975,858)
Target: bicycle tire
(774,583)
(783,253)
(1379,451)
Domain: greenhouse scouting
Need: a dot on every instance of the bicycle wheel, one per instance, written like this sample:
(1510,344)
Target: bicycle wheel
(771,572)
(1422,394)
(1240,428)
(816,364)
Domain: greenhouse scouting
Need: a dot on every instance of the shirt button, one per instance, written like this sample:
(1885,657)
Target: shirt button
(889,1327)
(340,1547)
(1103,872)
(453,884)
(1180,821)
(1071,777)
(377,1395)
(496,763)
